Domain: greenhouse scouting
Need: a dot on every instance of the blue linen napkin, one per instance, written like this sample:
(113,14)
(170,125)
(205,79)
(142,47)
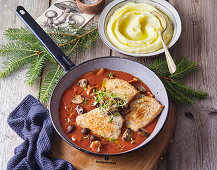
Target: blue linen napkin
(31,121)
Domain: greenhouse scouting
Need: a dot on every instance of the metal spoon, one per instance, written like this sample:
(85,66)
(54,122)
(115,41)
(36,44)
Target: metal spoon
(170,62)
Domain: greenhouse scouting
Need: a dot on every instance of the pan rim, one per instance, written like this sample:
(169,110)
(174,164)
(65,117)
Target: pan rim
(112,154)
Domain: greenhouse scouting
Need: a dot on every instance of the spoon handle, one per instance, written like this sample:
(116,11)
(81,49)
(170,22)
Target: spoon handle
(170,62)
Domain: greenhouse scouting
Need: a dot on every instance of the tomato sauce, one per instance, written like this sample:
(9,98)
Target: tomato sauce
(68,114)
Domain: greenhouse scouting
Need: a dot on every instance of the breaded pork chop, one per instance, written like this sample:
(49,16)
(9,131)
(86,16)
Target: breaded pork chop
(121,88)
(99,123)
(142,112)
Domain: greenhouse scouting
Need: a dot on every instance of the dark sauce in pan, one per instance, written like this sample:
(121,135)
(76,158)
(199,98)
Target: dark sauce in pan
(68,114)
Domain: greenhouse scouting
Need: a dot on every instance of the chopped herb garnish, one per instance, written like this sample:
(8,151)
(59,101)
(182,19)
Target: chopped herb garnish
(111,118)
(120,147)
(111,75)
(116,114)
(107,100)
(86,137)
(113,140)
(131,140)
(98,149)
(85,101)
(68,120)
(85,88)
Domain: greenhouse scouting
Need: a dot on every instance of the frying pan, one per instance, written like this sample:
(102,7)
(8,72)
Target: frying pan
(73,72)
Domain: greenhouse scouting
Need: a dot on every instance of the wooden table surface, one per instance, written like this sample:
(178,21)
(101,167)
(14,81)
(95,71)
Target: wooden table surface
(195,141)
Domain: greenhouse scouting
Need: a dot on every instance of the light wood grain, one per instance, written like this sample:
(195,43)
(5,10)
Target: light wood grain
(195,145)
(13,89)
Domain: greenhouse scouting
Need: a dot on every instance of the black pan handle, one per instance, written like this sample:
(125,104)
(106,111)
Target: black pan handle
(42,36)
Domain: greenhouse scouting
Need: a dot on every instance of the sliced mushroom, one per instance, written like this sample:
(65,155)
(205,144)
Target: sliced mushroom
(96,146)
(82,83)
(85,131)
(78,99)
(143,132)
(141,88)
(70,128)
(93,138)
(128,134)
(79,109)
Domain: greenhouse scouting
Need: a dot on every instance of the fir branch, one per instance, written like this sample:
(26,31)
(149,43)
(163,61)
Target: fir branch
(183,69)
(14,63)
(178,92)
(74,47)
(50,82)
(18,49)
(189,91)
(176,95)
(77,38)
(35,70)
(20,34)
(159,66)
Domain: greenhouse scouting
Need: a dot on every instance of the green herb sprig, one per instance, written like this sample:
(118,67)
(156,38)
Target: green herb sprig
(177,91)
(108,100)
(111,75)
(132,141)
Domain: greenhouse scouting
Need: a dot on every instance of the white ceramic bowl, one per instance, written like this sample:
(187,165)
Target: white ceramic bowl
(162,5)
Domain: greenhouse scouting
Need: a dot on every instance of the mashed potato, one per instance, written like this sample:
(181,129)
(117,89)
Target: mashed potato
(133,28)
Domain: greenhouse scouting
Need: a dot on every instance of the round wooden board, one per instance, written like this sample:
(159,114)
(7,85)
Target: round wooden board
(146,158)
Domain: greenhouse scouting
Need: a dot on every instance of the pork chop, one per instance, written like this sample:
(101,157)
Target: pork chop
(120,88)
(100,123)
(142,112)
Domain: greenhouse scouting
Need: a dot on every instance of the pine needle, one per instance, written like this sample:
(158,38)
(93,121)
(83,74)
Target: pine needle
(13,48)
(35,70)
(14,63)
(189,91)
(20,34)
(184,68)
(50,82)
(178,92)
